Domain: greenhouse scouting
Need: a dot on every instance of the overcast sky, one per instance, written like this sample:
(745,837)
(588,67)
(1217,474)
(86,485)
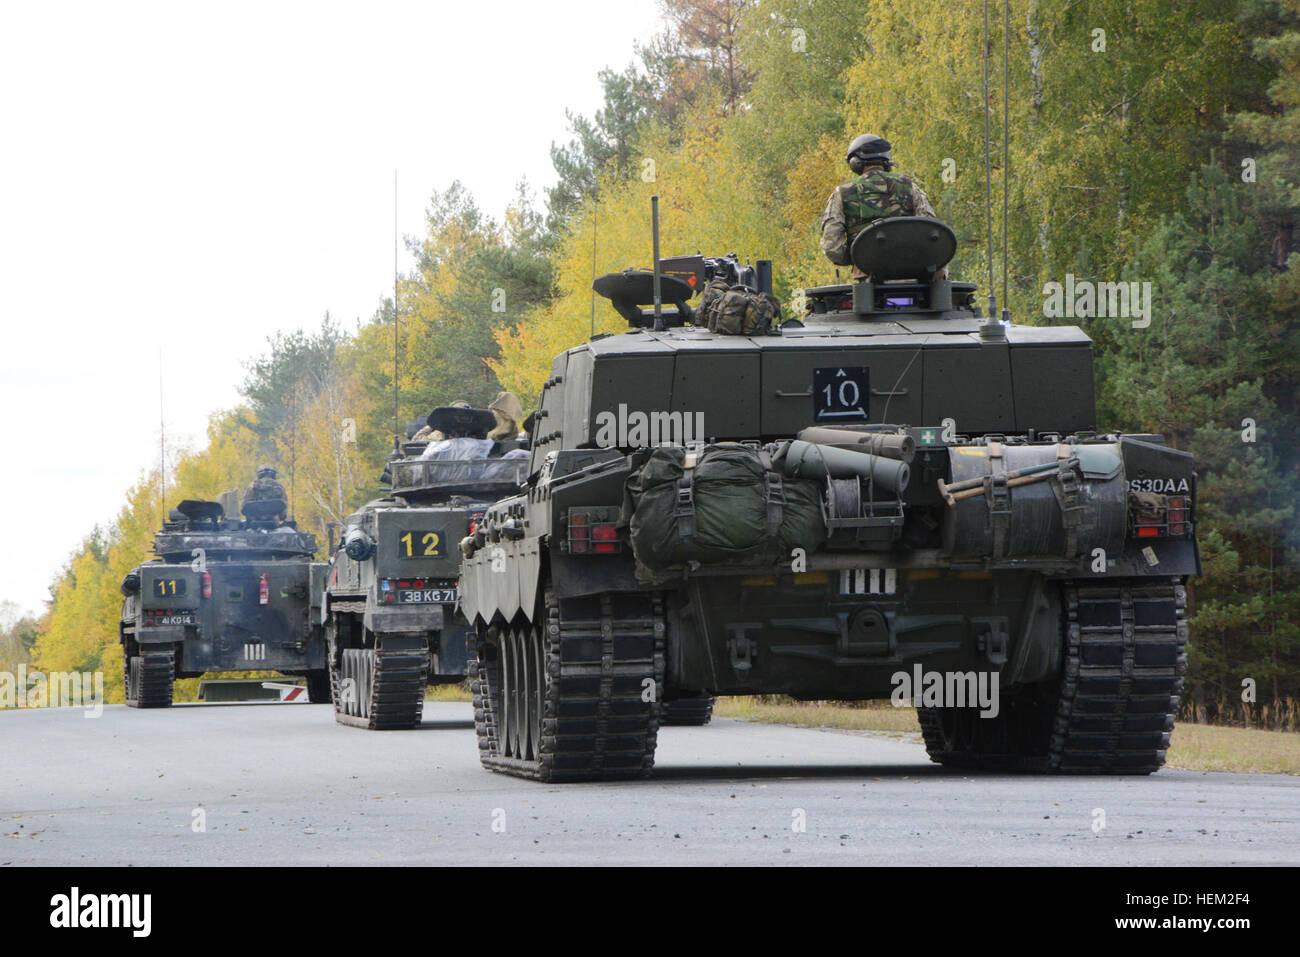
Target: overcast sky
(193,177)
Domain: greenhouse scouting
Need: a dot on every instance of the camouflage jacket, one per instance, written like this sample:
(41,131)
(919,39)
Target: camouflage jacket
(265,490)
(861,201)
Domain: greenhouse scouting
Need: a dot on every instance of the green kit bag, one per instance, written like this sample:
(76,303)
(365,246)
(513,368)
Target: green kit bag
(725,504)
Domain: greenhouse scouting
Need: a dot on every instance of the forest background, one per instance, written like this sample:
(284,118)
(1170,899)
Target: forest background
(1147,141)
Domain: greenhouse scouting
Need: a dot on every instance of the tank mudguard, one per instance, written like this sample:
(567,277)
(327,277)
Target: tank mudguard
(502,579)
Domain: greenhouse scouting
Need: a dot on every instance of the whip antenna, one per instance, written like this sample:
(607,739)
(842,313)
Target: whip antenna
(988,174)
(397,414)
(595,222)
(1006,148)
(162,446)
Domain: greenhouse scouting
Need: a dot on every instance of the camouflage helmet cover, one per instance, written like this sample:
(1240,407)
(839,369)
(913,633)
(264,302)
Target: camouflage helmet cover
(265,470)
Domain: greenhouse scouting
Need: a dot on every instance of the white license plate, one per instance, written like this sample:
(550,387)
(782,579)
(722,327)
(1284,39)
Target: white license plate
(427,596)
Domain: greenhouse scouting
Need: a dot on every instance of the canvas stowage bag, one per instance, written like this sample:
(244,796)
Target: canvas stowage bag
(727,505)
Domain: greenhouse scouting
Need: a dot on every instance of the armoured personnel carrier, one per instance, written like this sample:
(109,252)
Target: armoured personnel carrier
(391,594)
(224,594)
(892,496)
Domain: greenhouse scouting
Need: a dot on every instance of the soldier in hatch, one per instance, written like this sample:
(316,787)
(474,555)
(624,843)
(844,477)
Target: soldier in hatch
(509,413)
(873,193)
(265,488)
(428,434)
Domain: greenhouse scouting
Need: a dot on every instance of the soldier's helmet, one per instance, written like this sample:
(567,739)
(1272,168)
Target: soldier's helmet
(265,471)
(868,148)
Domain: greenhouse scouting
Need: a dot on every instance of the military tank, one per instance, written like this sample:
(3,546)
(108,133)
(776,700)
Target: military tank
(223,594)
(391,592)
(889,497)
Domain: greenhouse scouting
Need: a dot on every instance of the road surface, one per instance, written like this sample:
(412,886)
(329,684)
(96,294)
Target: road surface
(253,784)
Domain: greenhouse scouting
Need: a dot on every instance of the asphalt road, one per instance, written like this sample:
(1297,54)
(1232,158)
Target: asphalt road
(282,784)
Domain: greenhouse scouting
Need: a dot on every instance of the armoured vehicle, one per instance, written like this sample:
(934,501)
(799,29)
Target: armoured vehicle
(224,594)
(391,593)
(892,496)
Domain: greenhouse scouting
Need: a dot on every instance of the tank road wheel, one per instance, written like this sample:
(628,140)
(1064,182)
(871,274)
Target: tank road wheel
(148,678)
(319,687)
(522,684)
(382,689)
(570,700)
(1112,710)
(688,712)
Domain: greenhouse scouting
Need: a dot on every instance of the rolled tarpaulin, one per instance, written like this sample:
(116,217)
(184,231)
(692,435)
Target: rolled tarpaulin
(811,460)
(358,544)
(891,445)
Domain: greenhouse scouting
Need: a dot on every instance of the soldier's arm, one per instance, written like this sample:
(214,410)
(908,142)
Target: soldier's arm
(921,202)
(835,241)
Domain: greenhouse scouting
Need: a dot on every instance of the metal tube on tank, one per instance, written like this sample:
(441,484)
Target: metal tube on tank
(892,446)
(811,460)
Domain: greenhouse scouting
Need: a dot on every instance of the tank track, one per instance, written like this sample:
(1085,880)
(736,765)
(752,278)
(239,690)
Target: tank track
(595,723)
(688,712)
(1113,710)
(154,678)
(388,685)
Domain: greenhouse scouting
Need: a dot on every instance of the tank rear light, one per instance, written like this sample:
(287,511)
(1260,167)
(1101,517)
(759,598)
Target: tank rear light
(593,531)
(205,589)
(604,538)
(1169,520)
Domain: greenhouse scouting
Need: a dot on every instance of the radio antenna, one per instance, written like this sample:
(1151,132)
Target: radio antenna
(162,445)
(988,175)
(595,222)
(1006,148)
(397,414)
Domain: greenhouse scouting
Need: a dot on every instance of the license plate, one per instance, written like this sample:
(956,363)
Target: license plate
(427,596)
(172,620)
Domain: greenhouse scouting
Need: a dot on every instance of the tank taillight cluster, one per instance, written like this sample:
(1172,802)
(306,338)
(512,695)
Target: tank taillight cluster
(1169,519)
(205,587)
(263,591)
(593,531)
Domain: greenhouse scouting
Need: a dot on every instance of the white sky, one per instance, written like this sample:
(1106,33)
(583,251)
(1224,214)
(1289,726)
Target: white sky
(197,176)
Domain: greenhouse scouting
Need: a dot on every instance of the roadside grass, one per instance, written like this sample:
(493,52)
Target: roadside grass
(452,692)
(1193,747)
(867,716)
(1208,747)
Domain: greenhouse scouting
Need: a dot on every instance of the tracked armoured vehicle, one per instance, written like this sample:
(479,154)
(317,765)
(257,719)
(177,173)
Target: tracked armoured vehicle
(892,496)
(222,595)
(391,594)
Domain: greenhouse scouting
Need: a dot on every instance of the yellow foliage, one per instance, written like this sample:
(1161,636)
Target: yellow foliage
(706,204)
